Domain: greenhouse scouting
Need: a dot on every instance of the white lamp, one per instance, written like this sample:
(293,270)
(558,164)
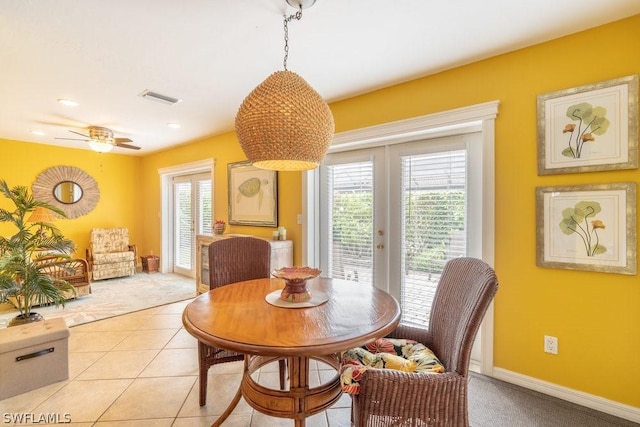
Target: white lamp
(100,146)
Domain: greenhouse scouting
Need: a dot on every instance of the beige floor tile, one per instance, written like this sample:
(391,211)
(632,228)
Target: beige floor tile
(79,362)
(95,341)
(317,420)
(339,417)
(163,321)
(163,422)
(146,340)
(220,392)
(27,402)
(262,420)
(173,362)
(126,322)
(150,398)
(119,364)
(175,308)
(183,339)
(233,421)
(85,401)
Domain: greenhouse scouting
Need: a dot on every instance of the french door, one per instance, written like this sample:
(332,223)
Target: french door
(392,216)
(191,216)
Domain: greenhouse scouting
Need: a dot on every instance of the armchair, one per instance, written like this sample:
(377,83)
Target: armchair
(410,395)
(110,254)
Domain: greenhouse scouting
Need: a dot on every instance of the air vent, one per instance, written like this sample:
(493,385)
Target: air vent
(155,96)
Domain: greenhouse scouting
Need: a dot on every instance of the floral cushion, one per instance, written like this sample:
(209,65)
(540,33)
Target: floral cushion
(386,353)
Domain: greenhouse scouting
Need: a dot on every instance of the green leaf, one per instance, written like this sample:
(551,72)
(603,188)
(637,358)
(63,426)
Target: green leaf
(568,152)
(587,209)
(580,111)
(600,124)
(598,249)
(567,226)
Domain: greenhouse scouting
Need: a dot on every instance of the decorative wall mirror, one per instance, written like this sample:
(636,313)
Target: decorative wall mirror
(68,188)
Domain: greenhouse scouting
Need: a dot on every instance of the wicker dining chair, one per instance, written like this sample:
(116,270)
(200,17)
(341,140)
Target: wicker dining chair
(233,259)
(391,397)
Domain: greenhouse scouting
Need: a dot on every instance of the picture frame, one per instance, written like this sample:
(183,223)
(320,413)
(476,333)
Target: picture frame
(589,128)
(253,195)
(587,227)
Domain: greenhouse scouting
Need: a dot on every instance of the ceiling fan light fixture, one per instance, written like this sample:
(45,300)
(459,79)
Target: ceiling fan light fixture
(68,102)
(284,124)
(100,146)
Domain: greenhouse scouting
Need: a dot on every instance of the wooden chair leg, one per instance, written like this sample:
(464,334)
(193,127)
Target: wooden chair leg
(283,371)
(204,373)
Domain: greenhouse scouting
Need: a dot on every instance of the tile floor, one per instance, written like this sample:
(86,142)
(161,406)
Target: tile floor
(141,369)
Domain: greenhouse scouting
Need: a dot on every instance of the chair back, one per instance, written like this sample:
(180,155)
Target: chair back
(107,240)
(465,290)
(236,259)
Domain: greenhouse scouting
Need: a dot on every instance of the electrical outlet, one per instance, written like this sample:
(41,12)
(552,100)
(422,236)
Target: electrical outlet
(550,344)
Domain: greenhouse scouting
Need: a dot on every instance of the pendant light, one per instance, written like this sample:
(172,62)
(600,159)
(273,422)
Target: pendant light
(284,124)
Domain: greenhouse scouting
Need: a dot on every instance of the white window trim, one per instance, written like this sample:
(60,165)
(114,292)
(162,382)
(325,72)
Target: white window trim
(457,121)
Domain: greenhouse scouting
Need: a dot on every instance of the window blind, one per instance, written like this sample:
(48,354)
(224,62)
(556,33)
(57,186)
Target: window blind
(433,228)
(350,241)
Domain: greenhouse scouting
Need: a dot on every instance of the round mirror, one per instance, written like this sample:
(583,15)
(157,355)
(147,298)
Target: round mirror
(67,192)
(68,188)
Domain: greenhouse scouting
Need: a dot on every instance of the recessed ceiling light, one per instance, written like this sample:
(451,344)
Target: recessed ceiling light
(174,125)
(68,102)
(38,132)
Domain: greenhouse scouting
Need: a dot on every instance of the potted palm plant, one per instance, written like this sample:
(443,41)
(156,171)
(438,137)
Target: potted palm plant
(22,279)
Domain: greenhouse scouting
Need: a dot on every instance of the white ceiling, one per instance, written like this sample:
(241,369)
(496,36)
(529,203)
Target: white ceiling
(212,53)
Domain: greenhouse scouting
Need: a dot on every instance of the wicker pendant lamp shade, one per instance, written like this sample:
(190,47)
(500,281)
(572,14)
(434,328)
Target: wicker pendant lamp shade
(284,124)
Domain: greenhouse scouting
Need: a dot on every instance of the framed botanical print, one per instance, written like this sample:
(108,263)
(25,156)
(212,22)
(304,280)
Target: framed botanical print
(589,128)
(587,227)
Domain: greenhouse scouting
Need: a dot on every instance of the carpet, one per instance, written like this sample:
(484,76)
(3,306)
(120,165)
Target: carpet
(113,297)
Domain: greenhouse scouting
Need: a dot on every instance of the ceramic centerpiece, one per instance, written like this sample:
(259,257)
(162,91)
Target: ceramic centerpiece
(295,279)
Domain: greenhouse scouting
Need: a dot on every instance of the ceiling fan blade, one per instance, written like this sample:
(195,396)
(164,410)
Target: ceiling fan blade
(121,140)
(73,139)
(133,147)
(78,133)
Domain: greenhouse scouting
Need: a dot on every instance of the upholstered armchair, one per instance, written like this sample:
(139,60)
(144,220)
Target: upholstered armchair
(110,254)
(424,381)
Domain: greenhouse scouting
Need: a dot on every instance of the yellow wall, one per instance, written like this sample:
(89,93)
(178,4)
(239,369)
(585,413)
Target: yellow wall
(224,149)
(596,316)
(117,176)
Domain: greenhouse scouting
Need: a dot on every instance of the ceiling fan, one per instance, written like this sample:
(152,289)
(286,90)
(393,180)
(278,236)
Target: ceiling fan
(101,139)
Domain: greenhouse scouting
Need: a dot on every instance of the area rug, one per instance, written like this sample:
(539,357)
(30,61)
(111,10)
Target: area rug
(113,297)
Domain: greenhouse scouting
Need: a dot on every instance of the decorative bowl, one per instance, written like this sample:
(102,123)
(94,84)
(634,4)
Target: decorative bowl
(295,279)
(296,274)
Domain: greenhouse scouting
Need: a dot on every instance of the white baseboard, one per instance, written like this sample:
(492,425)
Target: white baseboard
(580,398)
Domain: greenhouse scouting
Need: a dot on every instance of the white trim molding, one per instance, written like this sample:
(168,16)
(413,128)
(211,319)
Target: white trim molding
(591,401)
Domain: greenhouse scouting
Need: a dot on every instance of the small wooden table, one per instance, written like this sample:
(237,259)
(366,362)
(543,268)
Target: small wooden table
(237,317)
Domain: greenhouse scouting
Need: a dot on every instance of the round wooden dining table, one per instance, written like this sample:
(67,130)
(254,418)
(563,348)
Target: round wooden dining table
(238,317)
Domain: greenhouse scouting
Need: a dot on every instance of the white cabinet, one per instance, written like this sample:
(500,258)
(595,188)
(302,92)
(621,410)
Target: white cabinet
(281,256)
